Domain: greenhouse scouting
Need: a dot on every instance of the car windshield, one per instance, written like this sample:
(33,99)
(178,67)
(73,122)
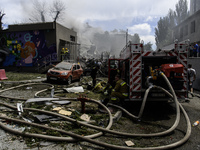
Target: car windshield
(63,66)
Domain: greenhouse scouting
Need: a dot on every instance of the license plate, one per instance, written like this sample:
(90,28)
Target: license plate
(52,78)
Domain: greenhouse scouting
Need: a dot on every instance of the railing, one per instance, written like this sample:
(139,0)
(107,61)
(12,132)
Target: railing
(46,61)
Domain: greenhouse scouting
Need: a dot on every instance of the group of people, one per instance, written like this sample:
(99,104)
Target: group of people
(120,90)
(194,50)
(117,93)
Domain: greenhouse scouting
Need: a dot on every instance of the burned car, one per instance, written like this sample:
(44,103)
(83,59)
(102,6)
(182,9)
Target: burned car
(65,71)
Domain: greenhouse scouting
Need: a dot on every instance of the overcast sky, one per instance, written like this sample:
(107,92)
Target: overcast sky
(138,16)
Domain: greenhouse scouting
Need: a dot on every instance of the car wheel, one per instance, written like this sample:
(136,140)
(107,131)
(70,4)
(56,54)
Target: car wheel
(69,80)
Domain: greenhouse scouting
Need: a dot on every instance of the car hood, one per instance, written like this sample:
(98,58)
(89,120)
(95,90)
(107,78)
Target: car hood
(59,70)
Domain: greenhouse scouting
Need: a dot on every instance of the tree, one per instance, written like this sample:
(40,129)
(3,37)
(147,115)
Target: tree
(164,29)
(161,31)
(181,12)
(41,11)
(57,9)
(1,18)
(135,38)
(148,46)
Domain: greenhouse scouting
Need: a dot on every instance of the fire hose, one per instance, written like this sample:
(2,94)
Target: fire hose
(178,107)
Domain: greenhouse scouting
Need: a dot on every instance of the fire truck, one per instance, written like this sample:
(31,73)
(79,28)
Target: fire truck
(139,68)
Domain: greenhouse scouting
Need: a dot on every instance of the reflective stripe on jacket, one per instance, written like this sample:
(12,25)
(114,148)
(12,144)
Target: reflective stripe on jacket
(121,86)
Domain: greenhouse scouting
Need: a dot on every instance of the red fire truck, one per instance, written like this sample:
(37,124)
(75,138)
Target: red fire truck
(137,67)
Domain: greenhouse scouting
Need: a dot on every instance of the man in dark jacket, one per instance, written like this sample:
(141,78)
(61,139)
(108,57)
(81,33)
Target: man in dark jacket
(94,74)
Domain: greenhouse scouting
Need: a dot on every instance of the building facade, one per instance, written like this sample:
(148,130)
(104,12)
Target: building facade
(189,29)
(36,45)
(194,6)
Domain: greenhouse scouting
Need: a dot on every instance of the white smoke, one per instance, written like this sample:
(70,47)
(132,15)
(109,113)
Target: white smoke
(95,40)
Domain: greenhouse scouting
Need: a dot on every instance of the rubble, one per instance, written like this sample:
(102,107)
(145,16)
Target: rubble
(120,123)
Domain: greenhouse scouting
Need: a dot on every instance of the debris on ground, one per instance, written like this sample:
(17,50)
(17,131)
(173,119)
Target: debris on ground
(74,89)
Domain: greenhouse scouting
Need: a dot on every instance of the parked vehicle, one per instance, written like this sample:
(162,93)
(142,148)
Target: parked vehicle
(140,69)
(65,71)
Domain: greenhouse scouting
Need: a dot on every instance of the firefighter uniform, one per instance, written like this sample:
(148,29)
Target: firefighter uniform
(94,74)
(120,91)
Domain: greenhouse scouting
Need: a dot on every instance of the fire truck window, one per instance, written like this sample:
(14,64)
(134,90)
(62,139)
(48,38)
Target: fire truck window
(74,68)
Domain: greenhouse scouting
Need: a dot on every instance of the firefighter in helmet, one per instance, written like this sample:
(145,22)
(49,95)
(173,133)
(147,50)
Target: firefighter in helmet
(119,92)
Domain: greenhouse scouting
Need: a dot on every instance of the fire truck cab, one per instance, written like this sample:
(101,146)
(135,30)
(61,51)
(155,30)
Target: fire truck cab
(140,68)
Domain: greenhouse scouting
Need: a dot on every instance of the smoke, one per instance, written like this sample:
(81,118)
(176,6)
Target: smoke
(95,40)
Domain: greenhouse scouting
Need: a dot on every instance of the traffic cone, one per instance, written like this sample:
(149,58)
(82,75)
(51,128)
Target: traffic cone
(2,74)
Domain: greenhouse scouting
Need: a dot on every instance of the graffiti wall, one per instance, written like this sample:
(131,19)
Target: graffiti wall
(26,48)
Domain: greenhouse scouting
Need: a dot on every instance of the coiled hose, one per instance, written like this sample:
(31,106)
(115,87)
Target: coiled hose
(178,105)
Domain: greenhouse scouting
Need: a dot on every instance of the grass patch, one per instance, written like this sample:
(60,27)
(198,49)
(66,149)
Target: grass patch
(16,76)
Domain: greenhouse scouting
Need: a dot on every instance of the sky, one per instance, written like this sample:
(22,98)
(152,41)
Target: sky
(134,16)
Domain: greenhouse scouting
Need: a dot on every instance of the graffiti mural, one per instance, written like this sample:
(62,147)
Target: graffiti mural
(26,48)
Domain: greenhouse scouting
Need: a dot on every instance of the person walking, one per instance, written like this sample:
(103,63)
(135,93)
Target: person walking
(94,74)
(191,78)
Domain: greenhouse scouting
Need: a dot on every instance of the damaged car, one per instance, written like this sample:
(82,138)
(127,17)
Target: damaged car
(65,71)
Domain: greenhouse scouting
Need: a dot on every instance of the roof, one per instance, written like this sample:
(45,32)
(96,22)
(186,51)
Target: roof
(32,26)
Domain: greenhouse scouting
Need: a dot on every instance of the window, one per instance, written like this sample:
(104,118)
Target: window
(192,28)
(72,38)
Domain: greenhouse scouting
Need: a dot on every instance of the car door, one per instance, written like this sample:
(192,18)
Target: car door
(75,72)
(79,70)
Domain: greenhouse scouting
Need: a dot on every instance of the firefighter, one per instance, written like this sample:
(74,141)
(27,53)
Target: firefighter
(119,92)
(94,74)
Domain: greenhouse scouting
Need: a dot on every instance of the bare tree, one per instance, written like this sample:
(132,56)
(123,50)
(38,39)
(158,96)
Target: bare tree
(42,10)
(1,17)
(57,9)
(38,14)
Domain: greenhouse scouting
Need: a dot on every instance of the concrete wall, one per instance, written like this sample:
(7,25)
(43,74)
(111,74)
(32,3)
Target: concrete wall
(194,6)
(185,30)
(196,65)
(26,47)
(29,44)
(66,38)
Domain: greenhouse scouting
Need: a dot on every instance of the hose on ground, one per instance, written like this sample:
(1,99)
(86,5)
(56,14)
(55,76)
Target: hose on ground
(72,120)
(88,139)
(187,135)
(23,99)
